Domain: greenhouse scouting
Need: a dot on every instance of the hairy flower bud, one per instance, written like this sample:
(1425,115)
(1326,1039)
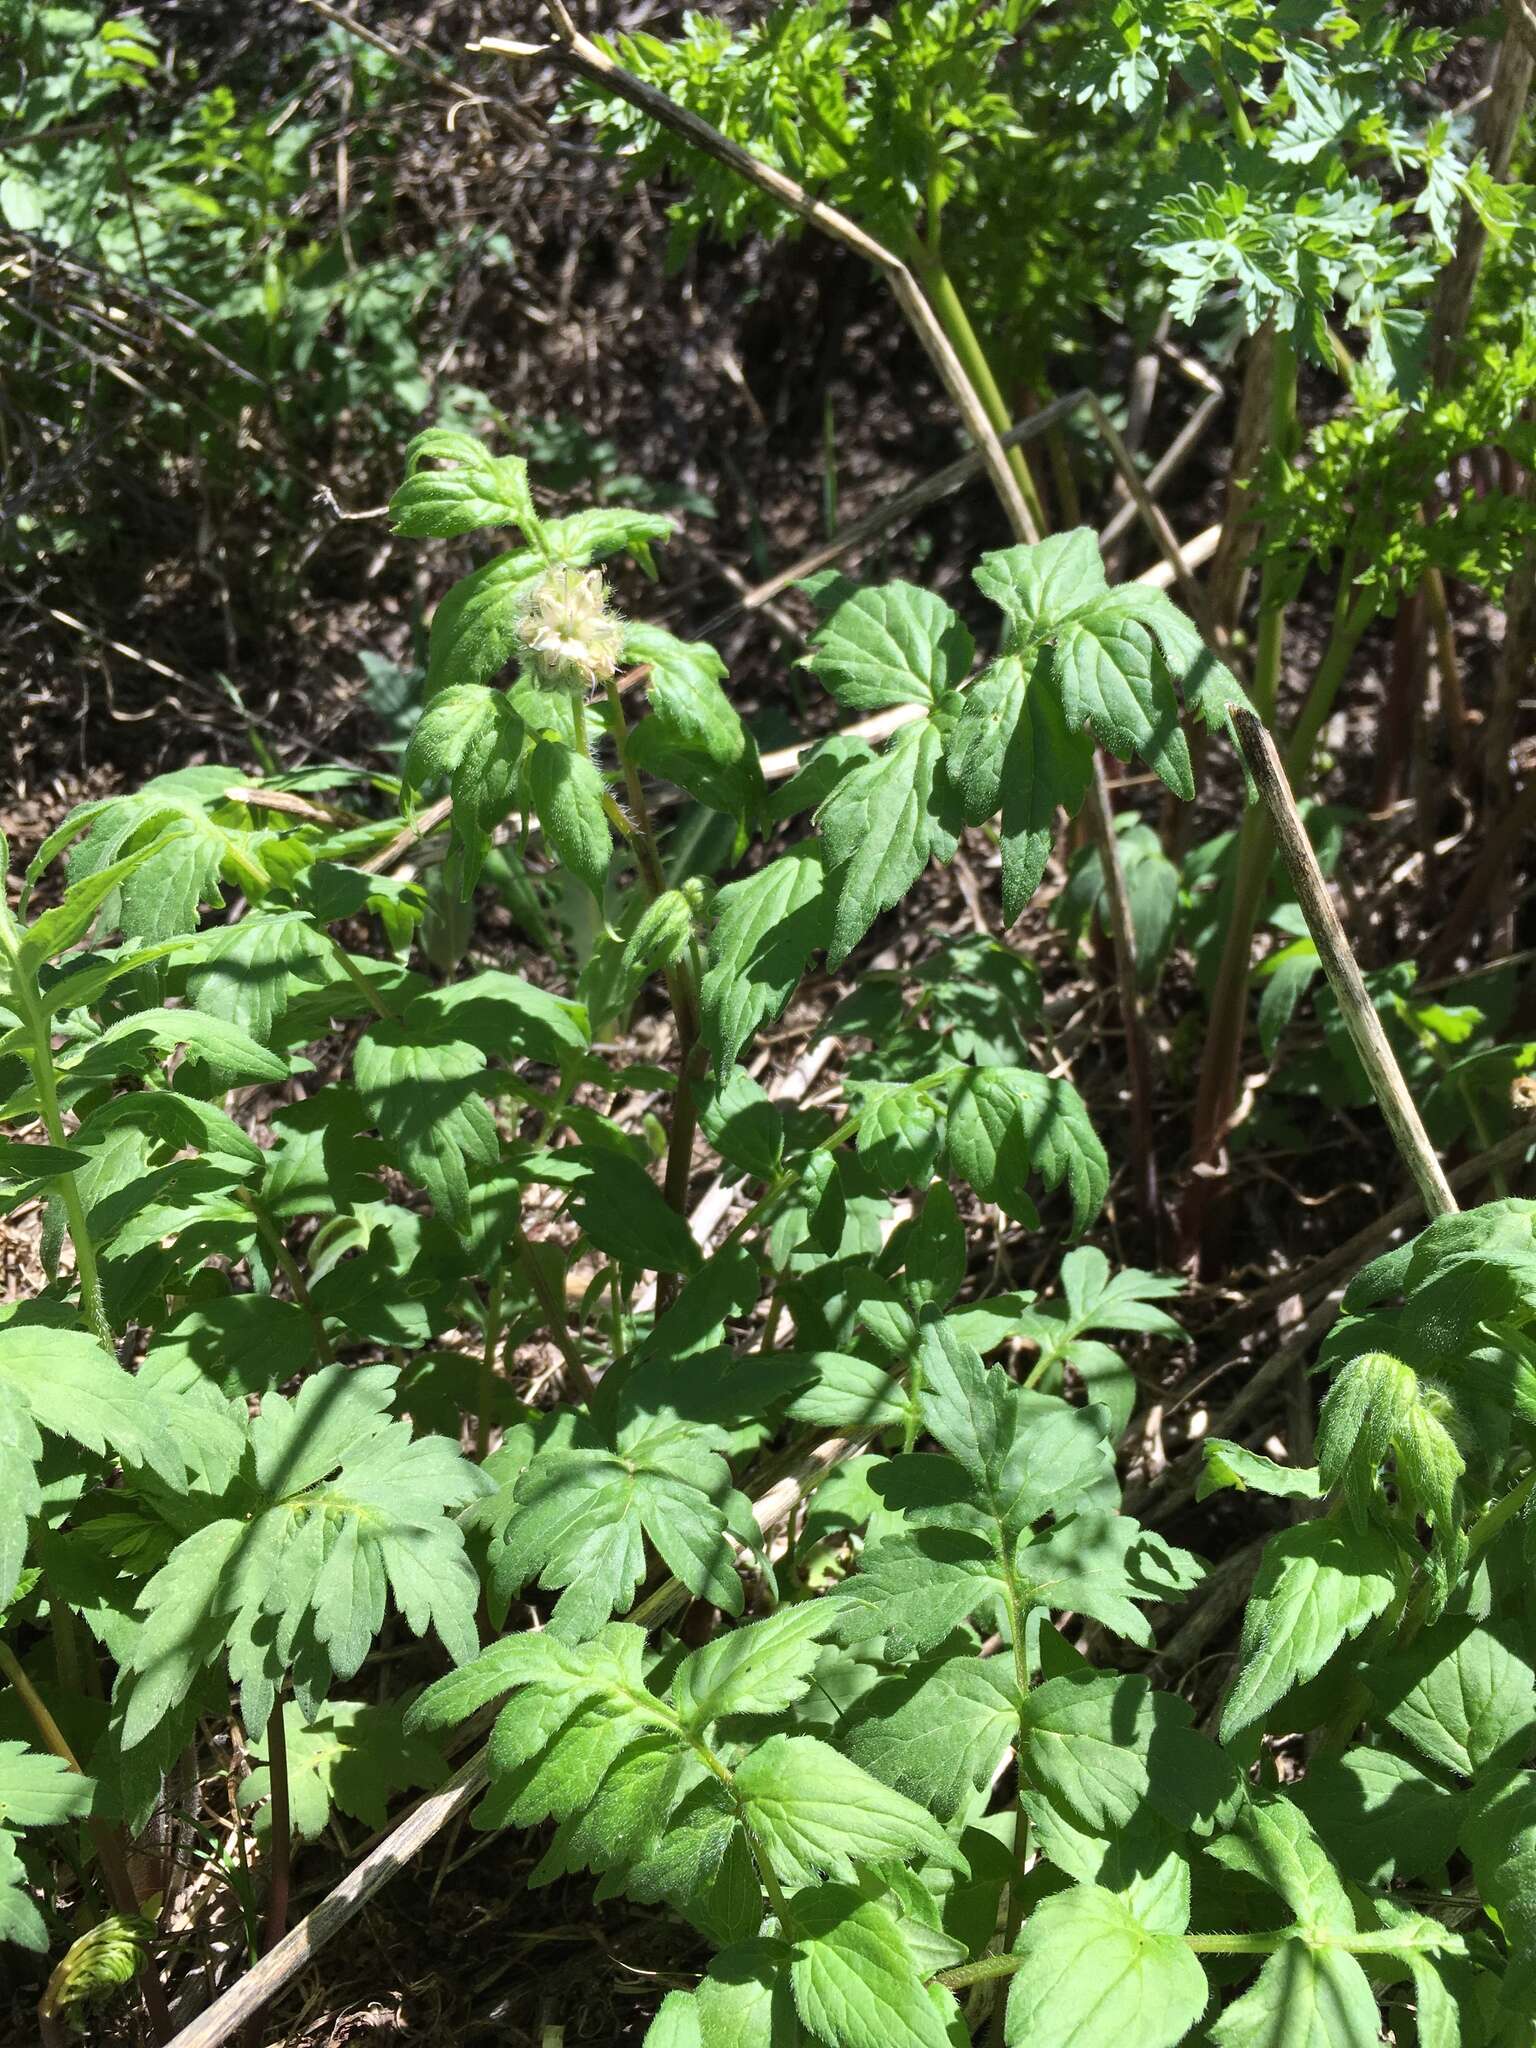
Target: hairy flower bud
(573,640)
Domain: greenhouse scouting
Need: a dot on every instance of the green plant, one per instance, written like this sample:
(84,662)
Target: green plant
(1237,159)
(781,1545)
(266,1403)
(182,225)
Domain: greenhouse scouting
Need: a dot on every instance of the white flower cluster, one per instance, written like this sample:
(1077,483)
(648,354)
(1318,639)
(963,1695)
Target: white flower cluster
(574,640)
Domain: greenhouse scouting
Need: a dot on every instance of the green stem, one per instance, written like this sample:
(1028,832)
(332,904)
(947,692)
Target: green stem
(66,1641)
(40,1059)
(554,1314)
(1270,646)
(1387,1941)
(949,310)
(1217,1091)
(1237,113)
(359,980)
(681,978)
(713,1764)
(487,1389)
(1346,636)
(1492,1520)
(74,1209)
(621,1330)
(288,1266)
(1016,1879)
(281,1832)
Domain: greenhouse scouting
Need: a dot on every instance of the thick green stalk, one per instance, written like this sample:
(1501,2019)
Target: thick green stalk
(1217,1091)
(1347,634)
(1237,113)
(956,323)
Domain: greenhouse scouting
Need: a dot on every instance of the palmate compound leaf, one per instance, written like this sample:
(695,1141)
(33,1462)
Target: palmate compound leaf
(423,1093)
(1093,1972)
(335,1510)
(193,851)
(1020,1517)
(62,1381)
(583,1740)
(1318,1586)
(626,1773)
(582,1515)
(351,1758)
(1092,1299)
(1111,656)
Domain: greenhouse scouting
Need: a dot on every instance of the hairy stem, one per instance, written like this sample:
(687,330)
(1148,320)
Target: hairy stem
(682,977)
(1014,1917)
